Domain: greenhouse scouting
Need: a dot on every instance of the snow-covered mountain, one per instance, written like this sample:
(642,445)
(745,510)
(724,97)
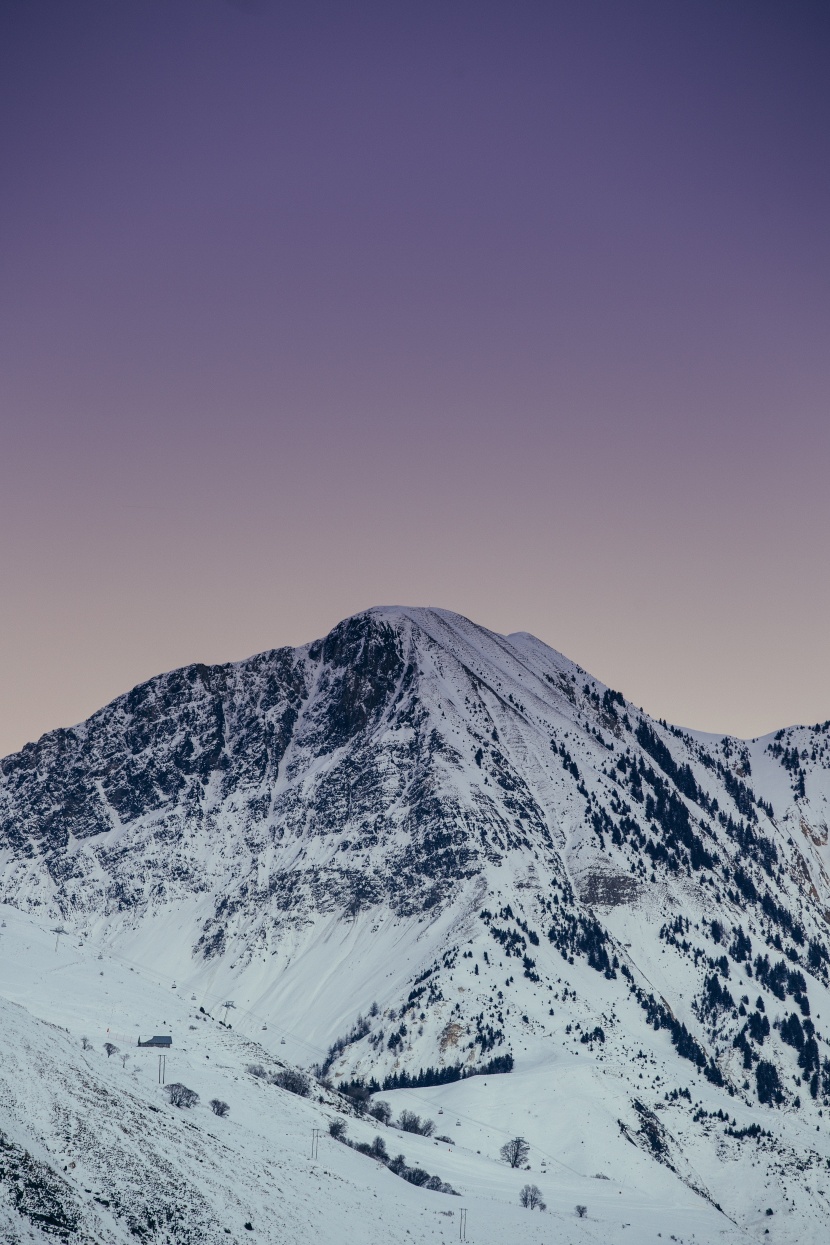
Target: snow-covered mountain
(415,850)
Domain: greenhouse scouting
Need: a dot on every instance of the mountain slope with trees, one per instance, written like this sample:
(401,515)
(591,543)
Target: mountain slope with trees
(431,856)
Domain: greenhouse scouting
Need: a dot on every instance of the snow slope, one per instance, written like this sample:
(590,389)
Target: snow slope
(113,1161)
(505,858)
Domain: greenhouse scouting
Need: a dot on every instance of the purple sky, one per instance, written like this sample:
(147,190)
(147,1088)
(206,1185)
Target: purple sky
(517,308)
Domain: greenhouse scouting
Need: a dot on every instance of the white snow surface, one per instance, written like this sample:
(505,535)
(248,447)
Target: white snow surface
(120,1155)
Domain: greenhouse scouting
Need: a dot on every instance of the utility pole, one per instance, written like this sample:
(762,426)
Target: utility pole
(162,1068)
(462,1225)
(315,1142)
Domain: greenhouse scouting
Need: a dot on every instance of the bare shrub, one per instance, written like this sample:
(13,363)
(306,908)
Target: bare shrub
(110,1049)
(86,1044)
(180,1096)
(398,1164)
(381,1111)
(415,1175)
(218,1107)
(256,1069)
(409,1122)
(337,1129)
(531,1197)
(581,1211)
(294,1081)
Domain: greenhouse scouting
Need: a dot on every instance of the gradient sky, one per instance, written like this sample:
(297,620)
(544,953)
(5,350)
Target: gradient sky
(515,308)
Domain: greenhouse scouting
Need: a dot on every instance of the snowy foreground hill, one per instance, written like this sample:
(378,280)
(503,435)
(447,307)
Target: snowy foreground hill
(436,868)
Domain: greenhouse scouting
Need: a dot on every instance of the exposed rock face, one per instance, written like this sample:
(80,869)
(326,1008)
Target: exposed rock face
(319,777)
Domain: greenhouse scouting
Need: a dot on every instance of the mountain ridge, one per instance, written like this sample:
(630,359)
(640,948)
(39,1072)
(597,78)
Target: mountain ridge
(502,856)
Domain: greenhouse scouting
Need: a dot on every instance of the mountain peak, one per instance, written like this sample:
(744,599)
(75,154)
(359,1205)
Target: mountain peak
(512,862)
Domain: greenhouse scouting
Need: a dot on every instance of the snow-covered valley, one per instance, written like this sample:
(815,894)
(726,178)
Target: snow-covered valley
(437,868)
